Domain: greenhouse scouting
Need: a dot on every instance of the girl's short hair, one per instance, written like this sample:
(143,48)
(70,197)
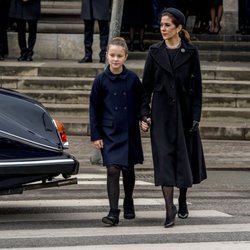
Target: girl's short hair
(118,41)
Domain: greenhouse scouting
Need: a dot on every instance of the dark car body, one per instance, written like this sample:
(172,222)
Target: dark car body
(31,148)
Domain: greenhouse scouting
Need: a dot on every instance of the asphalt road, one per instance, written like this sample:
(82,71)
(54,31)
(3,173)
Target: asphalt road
(70,217)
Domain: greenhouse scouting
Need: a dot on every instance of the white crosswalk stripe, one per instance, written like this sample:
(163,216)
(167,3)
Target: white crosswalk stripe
(169,246)
(41,224)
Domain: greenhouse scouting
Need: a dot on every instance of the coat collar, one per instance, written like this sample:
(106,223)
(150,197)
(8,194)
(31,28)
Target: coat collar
(159,53)
(123,75)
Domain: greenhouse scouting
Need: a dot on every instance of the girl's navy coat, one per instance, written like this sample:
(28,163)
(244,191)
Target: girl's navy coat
(114,117)
(177,101)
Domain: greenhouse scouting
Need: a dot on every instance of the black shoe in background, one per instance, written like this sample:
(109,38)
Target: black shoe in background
(22,58)
(85,60)
(102,59)
(1,58)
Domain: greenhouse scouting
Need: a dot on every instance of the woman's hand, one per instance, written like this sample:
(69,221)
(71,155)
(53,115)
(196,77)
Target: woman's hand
(98,144)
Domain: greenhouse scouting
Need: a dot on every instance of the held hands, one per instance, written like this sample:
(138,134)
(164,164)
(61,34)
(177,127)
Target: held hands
(145,124)
(195,126)
(98,144)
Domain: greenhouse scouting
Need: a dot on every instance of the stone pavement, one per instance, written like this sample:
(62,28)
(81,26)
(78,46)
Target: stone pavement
(219,155)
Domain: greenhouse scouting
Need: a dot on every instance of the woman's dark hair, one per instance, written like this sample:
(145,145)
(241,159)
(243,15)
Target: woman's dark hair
(184,33)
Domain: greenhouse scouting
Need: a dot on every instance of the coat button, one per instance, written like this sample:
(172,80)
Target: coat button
(116,108)
(172,86)
(124,93)
(114,93)
(125,108)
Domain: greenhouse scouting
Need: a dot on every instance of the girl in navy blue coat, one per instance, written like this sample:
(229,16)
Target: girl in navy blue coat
(114,122)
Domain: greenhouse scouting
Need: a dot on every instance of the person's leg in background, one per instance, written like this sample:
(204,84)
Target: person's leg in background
(104,36)
(88,40)
(32,28)
(21,30)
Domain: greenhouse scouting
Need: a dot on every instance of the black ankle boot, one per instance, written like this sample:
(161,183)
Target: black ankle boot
(170,219)
(183,209)
(112,218)
(128,209)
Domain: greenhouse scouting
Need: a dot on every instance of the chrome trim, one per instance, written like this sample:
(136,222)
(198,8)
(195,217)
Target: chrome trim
(37,162)
(21,139)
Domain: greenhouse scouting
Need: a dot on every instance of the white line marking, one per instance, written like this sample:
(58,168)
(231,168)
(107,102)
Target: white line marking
(129,231)
(99,215)
(232,245)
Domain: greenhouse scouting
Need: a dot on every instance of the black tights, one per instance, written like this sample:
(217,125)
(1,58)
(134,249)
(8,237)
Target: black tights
(113,187)
(168,193)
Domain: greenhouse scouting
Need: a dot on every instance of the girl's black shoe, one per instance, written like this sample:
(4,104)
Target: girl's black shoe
(128,209)
(112,218)
(183,209)
(169,222)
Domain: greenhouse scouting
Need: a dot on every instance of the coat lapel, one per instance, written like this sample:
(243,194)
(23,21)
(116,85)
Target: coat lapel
(183,55)
(160,55)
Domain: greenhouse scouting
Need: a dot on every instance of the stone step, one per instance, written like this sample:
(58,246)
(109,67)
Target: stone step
(68,68)
(65,96)
(50,83)
(226,100)
(84,83)
(209,55)
(78,110)
(226,112)
(59,96)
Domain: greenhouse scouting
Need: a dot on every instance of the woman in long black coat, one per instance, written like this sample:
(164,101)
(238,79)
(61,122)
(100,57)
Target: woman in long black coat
(172,75)
(26,11)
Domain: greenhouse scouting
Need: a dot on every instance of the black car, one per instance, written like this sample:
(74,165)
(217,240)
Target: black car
(31,146)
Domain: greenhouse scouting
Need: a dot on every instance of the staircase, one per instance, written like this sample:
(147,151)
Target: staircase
(63,86)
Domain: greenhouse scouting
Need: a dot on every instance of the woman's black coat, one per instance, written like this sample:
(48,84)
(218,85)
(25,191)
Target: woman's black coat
(114,117)
(30,10)
(96,10)
(176,103)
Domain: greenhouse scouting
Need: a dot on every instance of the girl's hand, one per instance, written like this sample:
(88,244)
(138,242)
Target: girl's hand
(145,124)
(98,144)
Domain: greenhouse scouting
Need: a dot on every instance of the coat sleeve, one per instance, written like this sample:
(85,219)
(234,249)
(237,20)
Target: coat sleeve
(95,109)
(147,87)
(197,102)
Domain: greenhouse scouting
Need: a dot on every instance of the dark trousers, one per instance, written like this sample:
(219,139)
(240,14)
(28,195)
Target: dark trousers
(88,36)
(26,48)
(3,39)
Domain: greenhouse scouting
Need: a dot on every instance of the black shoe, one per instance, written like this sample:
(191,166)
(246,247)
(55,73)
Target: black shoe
(170,219)
(131,46)
(22,58)
(85,60)
(128,210)
(112,218)
(1,58)
(141,47)
(29,58)
(183,210)
(102,59)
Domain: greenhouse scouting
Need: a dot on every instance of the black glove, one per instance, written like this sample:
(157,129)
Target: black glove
(195,126)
